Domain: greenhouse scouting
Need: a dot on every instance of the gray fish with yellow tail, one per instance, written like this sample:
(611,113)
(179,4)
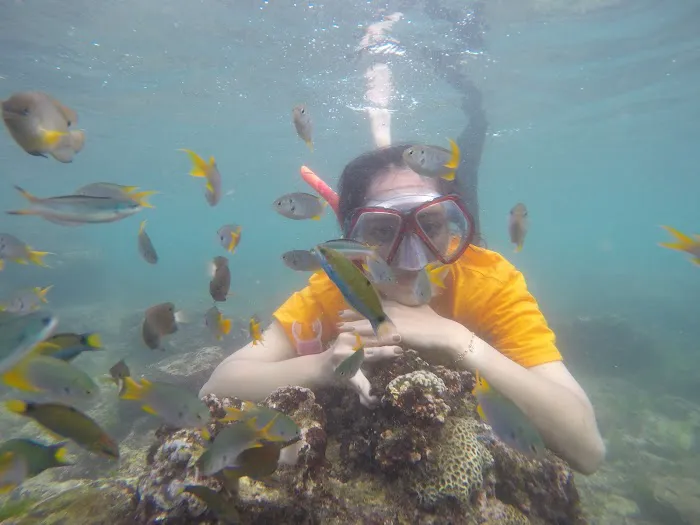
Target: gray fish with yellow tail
(25,301)
(39,457)
(303,125)
(116,191)
(301,260)
(518,225)
(39,124)
(15,250)
(68,346)
(300,206)
(69,423)
(145,245)
(433,161)
(208,171)
(229,236)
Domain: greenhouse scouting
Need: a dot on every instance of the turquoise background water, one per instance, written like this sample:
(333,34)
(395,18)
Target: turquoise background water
(593,123)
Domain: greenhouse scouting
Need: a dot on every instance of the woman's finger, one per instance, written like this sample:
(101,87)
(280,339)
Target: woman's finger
(363,328)
(350,315)
(378,353)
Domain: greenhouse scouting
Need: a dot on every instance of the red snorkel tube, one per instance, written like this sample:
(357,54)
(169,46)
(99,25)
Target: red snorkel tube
(323,189)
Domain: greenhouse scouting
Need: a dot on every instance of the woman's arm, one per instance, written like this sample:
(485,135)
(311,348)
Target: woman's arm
(548,394)
(253,372)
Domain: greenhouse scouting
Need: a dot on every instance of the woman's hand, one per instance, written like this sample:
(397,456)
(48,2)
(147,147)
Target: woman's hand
(343,347)
(436,338)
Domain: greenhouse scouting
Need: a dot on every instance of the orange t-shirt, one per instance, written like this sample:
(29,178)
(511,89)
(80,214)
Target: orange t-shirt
(484,292)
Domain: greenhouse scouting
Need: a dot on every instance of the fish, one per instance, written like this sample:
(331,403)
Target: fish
(146,248)
(39,125)
(351,364)
(684,243)
(373,264)
(508,422)
(200,168)
(255,463)
(300,206)
(75,210)
(356,289)
(26,301)
(68,346)
(69,423)
(301,260)
(20,334)
(13,471)
(221,279)
(518,225)
(39,457)
(217,324)
(51,376)
(227,445)
(437,273)
(216,502)
(13,249)
(254,330)
(118,373)
(433,161)
(160,320)
(229,236)
(379,271)
(272,425)
(175,405)
(116,191)
(303,125)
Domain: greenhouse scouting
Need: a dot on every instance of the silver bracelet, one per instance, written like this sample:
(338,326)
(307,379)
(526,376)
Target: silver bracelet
(470,349)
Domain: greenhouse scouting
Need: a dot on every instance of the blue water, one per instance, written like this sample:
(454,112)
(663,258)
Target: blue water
(593,123)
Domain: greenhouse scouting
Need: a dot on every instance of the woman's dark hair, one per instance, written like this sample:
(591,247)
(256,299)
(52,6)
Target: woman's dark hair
(359,173)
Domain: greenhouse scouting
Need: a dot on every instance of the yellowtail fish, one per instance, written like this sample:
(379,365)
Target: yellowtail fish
(220,283)
(51,376)
(75,210)
(12,249)
(39,124)
(351,364)
(426,285)
(218,325)
(208,171)
(356,289)
(301,260)
(272,425)
(300,206)
(175,405)
(26,301)
(146,248)
(684,243)
(303,125)
(68,346)
(116,191)
(518,225)
(13,471)
(20,334)
(255,463)
(433,161)
(229,236)
(39,457)
(373,264)
(254,330)
(69,423)
(216,502)
(227,445)
(507,421)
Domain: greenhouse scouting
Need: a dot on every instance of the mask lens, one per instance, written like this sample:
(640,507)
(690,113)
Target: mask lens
(378,229)
(444,228)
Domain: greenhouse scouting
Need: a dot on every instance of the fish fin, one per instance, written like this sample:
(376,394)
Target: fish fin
(21,261)
(142,226)
(226,326)
(696,260)
(31,198)
(64,154)
(316,218)
(480,411)
(146,383)
(141,197)
(54,139)
(41,293)
(519,247)
(7,487)
(181,317)
(199,166)
(130,189)
(132,391)
(43,348)
(77,139)
(454,159)
(38,257)
(358,342)
(204,432)
(16,379)
(232,244)
(17,406)
(310,144)
(149,409)
(232,414)
(449,176)
(2,264)
(209,187)
(94,341)
(684,242)
(385,330)
(60,452)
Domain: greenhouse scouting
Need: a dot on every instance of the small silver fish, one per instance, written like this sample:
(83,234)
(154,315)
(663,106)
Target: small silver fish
(299,206)
(518,225)
(301,260)
(146,248)
(12,249)
(19,334)
(303,125)
(229,236)
(74,210)
(25,301)
(209,171)
(433,161)
(39,124)
(351,364)
(220,283)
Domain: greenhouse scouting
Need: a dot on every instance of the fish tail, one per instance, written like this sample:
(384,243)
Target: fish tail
(142,226)
(519,247)
(386,330)
(94,341)
(54,139)
(31,198)
(59,452)
(16,378)
(232,244)
(17,406)
(77,139)
(684,242)
(696,260)
(310,144)
(316,218)
(141,197)
(449,176)
(209,187)
(130,189)
(38,258)
(131,390)
(437,273)
(454,159)
(226,325)
(199,165)
(41,293)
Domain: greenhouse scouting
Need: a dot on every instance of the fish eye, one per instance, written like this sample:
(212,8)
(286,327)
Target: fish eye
(46,321)
(25,111)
